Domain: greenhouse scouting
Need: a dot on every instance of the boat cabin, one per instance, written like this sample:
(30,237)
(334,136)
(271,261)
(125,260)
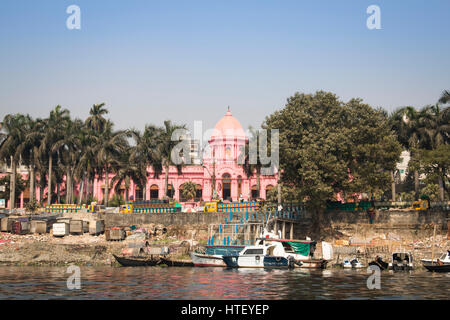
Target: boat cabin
(401,261)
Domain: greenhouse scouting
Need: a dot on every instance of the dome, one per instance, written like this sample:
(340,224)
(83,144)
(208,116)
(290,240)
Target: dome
(228,127)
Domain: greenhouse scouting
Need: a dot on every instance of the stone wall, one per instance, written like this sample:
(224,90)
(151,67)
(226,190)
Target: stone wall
(409,224)
(166,219)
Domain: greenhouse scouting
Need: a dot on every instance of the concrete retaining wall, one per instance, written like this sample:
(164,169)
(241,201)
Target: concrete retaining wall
(387,218)
(178,218)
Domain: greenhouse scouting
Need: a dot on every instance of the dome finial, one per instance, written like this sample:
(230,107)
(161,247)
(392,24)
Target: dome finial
(228,112)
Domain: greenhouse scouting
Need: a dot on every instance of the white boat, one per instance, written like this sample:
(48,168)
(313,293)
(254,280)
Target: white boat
(258,256)
(212,257)
(207,260)
(445,259)
(401,261)
(352,263)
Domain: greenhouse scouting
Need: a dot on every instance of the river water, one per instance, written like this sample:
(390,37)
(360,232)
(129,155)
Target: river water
(217,283)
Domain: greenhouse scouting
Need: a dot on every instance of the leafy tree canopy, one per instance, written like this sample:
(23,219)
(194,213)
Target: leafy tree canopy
(329,146)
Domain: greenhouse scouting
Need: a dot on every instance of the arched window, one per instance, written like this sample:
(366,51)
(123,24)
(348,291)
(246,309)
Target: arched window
(226,187)
(198,193)
(154,192)
(268,188)
(170,191)
(239,186)
(255,193)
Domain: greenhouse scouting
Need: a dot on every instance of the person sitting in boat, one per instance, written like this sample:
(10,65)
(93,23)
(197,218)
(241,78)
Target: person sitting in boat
(439,262)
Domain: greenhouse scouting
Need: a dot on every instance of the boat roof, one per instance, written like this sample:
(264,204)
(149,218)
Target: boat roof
(287,240)
(226,246)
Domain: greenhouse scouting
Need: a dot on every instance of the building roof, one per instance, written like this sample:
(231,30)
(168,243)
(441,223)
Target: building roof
(228,127)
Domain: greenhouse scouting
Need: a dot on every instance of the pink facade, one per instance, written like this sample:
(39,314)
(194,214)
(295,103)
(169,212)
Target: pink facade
(220,160)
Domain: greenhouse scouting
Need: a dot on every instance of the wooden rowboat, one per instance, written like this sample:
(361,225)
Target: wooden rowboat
(137,261)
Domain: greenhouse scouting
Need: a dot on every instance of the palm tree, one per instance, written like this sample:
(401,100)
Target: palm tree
(11,137)
(69,149)
(53,131)
(436,132)
(96,121)
(109,145)
(163,152)
(86,165)
(126,171)
(445,97)
(29,150)
(406,122)
(189,190)
(144,151)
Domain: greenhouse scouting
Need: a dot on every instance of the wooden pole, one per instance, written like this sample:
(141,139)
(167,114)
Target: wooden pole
(432,248)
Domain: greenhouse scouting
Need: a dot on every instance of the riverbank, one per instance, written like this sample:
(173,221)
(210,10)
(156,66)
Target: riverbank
(350,233)
(82,250)
(86,250)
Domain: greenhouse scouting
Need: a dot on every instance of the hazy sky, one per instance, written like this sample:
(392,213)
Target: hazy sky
(188,60)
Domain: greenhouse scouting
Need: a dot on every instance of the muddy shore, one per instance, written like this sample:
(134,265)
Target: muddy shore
(87,250)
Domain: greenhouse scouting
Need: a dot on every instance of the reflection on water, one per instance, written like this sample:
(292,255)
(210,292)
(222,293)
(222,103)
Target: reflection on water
(218,283)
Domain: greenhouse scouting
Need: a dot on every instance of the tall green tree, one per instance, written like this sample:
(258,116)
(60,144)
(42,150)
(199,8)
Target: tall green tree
(126,171)
(145,150)
(11,137)
(53,131)
(328,146)
(163,152)
(96,120)
(109,146)
(445,97)
(406,122)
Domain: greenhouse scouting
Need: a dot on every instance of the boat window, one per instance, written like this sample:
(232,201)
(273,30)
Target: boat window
(254,251)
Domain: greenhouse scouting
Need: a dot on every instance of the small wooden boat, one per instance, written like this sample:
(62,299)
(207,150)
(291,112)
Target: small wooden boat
(440,265)
(438,268)
(177,262)
(312,263)
(206,260)
(143,261)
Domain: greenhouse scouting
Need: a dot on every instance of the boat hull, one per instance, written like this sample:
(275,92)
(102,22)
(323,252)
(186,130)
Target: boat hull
(257,262)
(136,261)
(312,264)
(277,262)
(207,260)
(437,268)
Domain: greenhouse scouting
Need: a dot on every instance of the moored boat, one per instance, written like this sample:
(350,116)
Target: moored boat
(352,263)
(212,257)
(401,261)
(442,264)
(257,256)
(143,261)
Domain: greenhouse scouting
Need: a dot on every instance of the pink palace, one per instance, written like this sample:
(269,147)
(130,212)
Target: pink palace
(220,160)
